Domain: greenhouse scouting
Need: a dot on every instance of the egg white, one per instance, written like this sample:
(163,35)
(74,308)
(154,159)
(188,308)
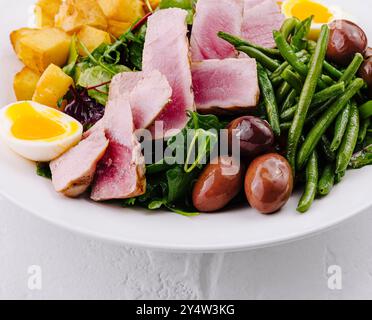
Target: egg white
(337,12)
(40,150)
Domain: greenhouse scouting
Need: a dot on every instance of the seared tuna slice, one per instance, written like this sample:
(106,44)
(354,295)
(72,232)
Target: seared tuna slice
(149,98)
(121,172)
(74,171)
(211,17)
(225,85)
(166,50)
(260,18)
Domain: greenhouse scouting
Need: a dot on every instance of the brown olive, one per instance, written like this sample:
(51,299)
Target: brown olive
(368,53)
(269,183)
(219,183)
(365,72)
(254,136)
(346,39)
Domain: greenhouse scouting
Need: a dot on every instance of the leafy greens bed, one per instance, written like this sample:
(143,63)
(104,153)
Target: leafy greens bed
(318,111)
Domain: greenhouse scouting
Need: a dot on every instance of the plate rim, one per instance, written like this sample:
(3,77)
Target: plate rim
(194,249)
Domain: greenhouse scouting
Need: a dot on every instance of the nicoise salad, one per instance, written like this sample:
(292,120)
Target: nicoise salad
(192,106)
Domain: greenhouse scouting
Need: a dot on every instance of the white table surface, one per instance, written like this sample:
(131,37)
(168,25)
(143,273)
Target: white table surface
(74,267)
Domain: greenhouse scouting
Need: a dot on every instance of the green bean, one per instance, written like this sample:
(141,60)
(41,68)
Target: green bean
(277,81)
(282,92)
(307,96)
(276,77)
(352,69)
(301,55)
(318,111)
(363,130)
(288,114)
(278,72)
(265,60)
(327,67)
(289,55)
(349,141)
(327,180)
(288,26)
(320,97)
(302,32)
(238,42)
(311,45)
(285,126)
(327,80)
(312,177)
(289,101)
(332,71)
(340,128)
(326,148)
(325,121)
(339,176)
(293,79)
(328,93)
(269,99)
(366,110)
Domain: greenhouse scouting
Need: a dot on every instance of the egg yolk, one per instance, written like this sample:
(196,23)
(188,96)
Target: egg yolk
(30,124)
(304,9)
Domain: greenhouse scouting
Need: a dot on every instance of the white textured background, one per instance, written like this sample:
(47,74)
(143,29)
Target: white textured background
(78,268)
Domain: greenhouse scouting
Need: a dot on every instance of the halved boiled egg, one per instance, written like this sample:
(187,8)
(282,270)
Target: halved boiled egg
(322,12)
(37,132)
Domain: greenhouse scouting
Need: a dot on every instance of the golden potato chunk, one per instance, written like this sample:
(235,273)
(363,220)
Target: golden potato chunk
(17,35)
(74,14)
(39,48)
(92,38)
(25,83)
(122,10)
(52,86)
(118,28)
(45,12)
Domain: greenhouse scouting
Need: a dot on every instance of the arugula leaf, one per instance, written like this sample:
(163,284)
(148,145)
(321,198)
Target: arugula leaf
(126,50)
(69,69)
(362,158)
(179,183)
(98,78)
(43,170)
(135,49)
(161,166)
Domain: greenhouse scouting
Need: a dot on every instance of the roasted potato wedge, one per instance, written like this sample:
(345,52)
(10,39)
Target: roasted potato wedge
(45,12)
(25,83)
(122,10)
(117,28)
(52,86)
(92,38)
(74,14)
(38,48)
(17,35)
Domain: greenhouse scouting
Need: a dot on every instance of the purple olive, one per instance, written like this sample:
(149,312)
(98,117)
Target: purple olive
(346,39)
(254,136)
(365,72)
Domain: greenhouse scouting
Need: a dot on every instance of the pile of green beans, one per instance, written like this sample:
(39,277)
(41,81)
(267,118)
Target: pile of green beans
(320,108)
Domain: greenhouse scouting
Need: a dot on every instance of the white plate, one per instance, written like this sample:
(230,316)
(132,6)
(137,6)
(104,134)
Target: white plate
(230,231)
